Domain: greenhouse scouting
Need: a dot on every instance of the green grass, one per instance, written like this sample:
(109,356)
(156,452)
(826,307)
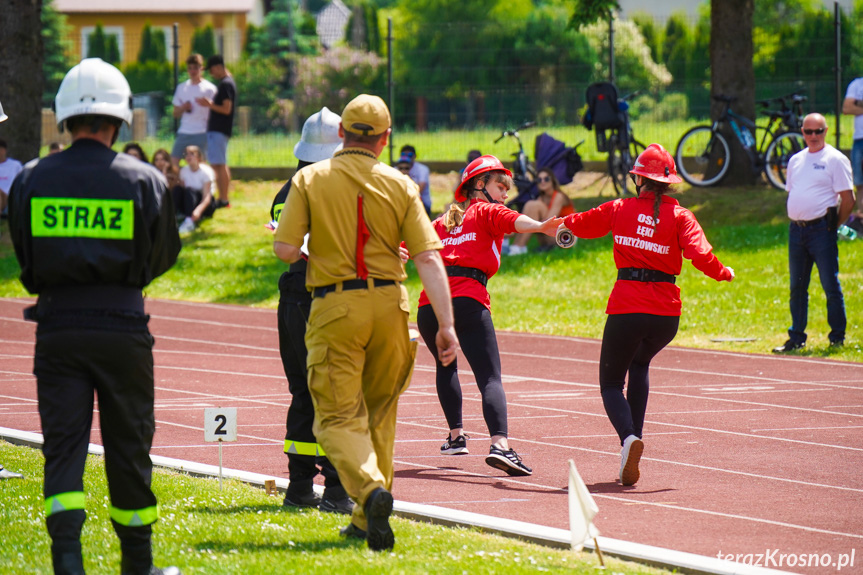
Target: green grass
(275,150)
(563,292)
(242,530)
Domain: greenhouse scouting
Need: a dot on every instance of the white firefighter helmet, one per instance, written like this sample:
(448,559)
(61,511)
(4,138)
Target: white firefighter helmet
(94,87)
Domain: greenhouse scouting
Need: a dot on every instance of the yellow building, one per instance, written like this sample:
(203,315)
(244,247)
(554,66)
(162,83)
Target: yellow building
(125,19)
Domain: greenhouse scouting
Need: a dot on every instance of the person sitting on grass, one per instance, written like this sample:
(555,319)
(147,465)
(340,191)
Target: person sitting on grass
(551,203)
(194,198)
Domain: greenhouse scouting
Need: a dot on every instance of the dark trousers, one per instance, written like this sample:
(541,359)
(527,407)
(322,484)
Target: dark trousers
(814,244)
(112,357)
(187,199)
(294,306)
(629,342)
(478,342)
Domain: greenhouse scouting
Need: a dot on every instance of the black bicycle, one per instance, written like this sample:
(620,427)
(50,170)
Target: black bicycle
(703,154)
(523,171)
(622,147)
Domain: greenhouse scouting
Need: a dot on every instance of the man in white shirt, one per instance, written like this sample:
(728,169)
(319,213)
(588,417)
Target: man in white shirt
(420,174)
(820,196)
(193,116)
(852,105)
(9,168)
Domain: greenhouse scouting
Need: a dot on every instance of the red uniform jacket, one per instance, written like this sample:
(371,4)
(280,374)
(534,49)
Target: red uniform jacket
(474,244)
(637,244)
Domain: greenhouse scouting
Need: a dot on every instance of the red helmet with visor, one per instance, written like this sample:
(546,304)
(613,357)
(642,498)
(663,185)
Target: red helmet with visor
(655,163)
(479,166)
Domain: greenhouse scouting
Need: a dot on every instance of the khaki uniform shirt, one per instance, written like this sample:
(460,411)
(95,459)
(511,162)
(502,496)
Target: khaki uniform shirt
(323,202)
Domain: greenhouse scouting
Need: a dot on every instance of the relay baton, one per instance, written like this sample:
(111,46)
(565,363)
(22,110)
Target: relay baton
(565,238)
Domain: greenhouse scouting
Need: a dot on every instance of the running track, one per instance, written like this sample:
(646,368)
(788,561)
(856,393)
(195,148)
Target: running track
(743,453)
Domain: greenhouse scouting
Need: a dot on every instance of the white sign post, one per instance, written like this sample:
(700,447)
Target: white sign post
(220,424)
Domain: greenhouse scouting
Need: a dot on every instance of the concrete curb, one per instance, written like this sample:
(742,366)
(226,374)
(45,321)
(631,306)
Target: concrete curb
(549,536)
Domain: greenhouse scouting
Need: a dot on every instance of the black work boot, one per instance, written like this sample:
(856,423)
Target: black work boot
(67,559)
(378,508)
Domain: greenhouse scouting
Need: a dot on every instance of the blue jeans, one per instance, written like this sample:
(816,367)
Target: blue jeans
(814,244)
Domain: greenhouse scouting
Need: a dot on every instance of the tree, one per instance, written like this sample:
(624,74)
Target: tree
(152,45)
(732,74)
(204,42)
(21,53)
(104,46)
(57,50)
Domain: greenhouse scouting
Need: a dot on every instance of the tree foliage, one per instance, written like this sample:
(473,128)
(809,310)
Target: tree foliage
(58,49)
(587,12)
(102,45)
(153,47)
(204,42)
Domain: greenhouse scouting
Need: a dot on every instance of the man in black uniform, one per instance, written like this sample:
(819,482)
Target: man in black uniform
(320,140)
(91,228)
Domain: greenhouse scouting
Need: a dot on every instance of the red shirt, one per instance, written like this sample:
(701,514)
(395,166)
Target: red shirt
(474,244)
(638,245)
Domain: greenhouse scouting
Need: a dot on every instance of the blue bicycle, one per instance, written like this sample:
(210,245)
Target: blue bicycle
(703,155)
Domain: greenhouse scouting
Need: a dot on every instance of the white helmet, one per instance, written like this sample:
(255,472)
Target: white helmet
(320,139)
(3,117)
(94,87)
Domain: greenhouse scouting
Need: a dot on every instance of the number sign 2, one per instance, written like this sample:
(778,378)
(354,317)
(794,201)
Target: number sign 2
(220,423)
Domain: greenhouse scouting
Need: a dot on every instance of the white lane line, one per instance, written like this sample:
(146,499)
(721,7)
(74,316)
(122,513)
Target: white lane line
(221,355)
(221,372)
(266,440)
(698,411)
(26,400)
(211,342)
(607,435)
(646,503)
(226,444)
(808,428)
(215,397)
(616,455)
(214,323)
(222,307)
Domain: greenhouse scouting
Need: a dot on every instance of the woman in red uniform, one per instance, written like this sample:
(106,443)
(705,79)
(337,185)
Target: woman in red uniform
(652,234)
(472,231)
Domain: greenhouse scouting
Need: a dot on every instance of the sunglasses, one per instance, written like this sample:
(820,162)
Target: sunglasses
(816,132)
(543,179)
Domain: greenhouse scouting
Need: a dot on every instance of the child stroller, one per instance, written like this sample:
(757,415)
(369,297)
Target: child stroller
(550,153)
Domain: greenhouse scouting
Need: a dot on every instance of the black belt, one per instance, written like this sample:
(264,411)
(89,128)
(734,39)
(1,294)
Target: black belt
(473,273)
(87,297)
(804,223)
(350,284)
(644,275)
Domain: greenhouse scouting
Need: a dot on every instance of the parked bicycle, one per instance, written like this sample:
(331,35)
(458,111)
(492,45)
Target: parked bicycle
(608,112)
(523,172)
(703,154)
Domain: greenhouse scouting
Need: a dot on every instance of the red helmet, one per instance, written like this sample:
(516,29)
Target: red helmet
(479,166)
(655,163)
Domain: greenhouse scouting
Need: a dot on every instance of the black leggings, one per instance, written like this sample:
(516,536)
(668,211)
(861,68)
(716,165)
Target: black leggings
(629,342)
(478,342)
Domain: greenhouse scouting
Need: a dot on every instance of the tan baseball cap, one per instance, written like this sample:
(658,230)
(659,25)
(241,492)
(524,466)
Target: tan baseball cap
(366,115)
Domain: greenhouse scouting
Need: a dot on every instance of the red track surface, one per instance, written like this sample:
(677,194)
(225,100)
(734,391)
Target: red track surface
(743,453)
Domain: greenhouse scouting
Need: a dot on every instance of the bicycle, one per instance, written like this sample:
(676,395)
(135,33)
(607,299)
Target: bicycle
(768,153)
(523,171)
(622,147)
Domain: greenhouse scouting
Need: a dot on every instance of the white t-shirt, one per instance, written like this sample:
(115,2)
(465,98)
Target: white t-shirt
(420,173)
(194,122)
(8,170)
(196,180)
(855,90)
(814,180)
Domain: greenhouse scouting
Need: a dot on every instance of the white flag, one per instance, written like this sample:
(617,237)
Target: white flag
(582,510)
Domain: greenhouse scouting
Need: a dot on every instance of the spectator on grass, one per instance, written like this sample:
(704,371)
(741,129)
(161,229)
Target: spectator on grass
(359,351)
(194,198)
(852,105)
(162,159)
(419,173)
(820,196)
(220,125)
(552,202)
(193,116)
(135,149)
(9,169)
(472,231)
(652,234)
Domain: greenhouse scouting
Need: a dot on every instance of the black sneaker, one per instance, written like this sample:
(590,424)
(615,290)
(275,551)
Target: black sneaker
(457,446)
(789,346)
(343,505)
(378,508)
(837,343)
(507,461)
(307,499)
(353,531)
(219,204)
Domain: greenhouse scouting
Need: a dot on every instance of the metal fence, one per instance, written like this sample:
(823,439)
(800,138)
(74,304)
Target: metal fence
(447,100)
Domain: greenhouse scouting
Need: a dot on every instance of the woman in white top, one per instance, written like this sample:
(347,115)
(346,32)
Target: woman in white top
(194,199)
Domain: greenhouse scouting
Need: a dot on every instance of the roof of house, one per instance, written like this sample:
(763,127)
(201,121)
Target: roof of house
(152,6)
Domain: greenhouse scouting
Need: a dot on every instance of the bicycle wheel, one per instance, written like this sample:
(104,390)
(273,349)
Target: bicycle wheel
(619,161)
(778,153)
(702,156)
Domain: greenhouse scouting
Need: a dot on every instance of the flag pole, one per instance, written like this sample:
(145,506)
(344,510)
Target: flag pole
(598,553)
